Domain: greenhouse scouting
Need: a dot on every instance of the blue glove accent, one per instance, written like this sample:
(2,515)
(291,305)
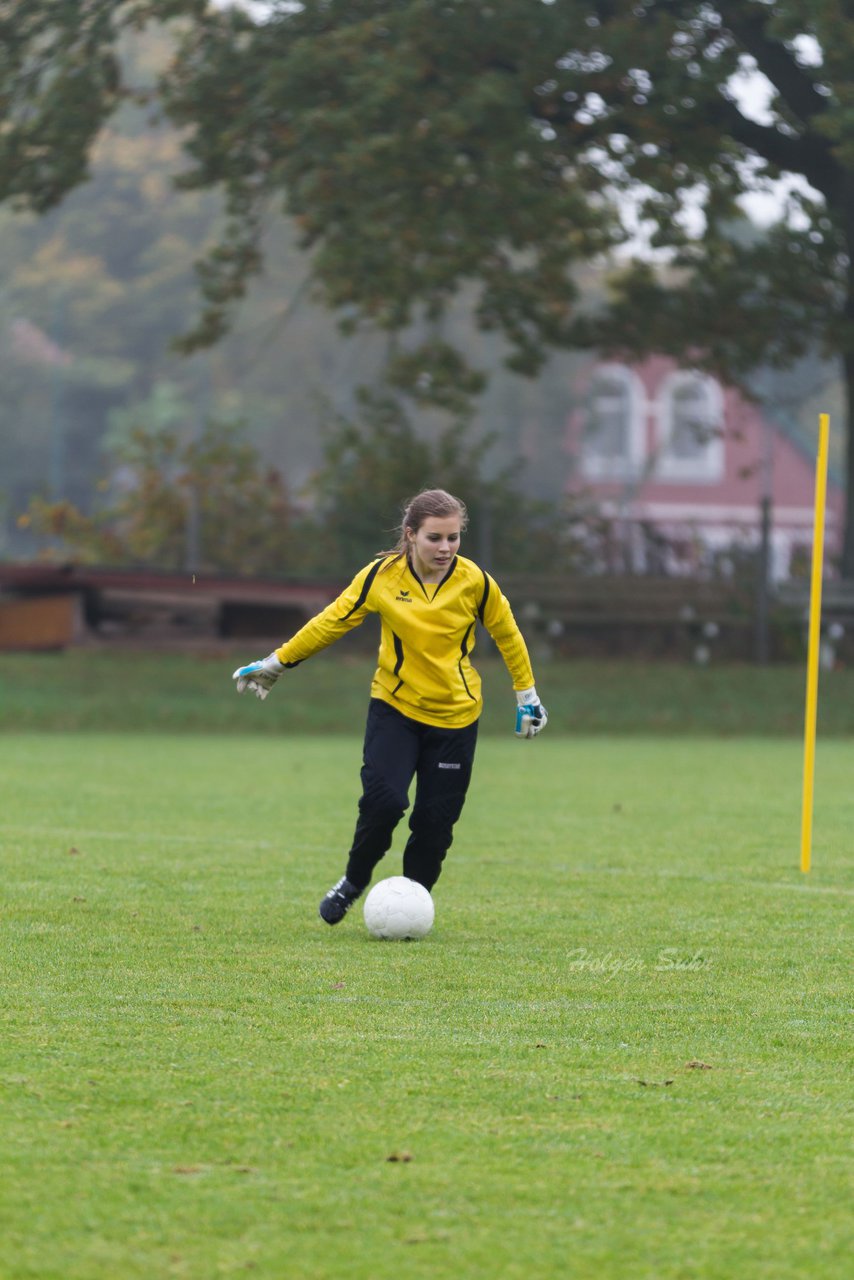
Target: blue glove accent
(259,677)
(531,719)
(248,670)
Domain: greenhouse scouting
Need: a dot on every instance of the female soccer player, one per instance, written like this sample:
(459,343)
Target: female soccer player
(425,695)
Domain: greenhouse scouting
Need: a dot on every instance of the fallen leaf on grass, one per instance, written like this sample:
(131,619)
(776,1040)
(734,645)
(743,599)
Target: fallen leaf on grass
(336,986)
(188,1168)
(696,1065)
(72,852)
(399,1157)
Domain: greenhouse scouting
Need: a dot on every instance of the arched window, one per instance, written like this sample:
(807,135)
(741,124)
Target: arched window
(690,428)
(613,445)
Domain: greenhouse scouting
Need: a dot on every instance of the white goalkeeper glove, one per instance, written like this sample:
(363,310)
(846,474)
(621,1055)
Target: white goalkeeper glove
(531,715)
(259,676)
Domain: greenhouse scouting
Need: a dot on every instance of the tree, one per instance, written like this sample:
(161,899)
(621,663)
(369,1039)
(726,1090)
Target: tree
(209,503)
(93,291)
(375,460)
(426,147)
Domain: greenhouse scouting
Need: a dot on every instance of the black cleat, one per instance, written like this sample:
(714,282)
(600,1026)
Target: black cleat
(338,901)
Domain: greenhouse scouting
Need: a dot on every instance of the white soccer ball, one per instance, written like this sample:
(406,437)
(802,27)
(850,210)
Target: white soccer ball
(399,908)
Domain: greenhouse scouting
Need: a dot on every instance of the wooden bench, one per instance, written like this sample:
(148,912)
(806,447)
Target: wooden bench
(650,616)
(837,600)
(627,599)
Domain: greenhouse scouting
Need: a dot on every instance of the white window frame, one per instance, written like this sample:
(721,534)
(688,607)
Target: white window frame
(707,466)
(630,464)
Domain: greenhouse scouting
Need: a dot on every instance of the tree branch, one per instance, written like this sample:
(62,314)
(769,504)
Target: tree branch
(808,153)
(748,23)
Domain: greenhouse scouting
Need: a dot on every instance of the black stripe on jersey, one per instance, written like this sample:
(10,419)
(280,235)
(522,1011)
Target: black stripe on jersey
(398,649)
(416,577)
(483,599)
(363,594)
(451,567)
(464,648)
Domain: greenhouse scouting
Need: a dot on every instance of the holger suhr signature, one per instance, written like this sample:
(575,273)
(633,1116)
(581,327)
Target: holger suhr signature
(608,965)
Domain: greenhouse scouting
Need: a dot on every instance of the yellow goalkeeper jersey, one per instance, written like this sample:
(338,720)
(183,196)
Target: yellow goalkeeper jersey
(428,634)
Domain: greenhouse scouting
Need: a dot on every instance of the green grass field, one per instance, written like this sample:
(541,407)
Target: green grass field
(192,693)
(621,1053)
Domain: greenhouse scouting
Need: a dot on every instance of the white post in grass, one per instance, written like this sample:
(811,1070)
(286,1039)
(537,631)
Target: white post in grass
(814,644)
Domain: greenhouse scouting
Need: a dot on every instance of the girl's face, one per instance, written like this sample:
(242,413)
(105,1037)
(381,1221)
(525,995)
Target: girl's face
(433,546)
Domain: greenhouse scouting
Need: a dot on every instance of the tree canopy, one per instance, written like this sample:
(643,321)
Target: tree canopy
(431,148)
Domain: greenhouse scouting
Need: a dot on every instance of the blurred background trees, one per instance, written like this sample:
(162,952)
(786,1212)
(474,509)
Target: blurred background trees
(373,462)
(207,504)
(210,502)
(417,170)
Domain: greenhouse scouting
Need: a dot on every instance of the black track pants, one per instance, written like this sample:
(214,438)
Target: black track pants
(396,750)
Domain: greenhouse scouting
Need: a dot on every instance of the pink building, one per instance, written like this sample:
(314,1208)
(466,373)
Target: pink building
(667,450)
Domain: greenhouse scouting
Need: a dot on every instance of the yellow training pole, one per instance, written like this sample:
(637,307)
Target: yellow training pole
(814,639)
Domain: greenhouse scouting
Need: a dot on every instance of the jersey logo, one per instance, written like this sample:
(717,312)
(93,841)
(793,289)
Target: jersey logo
(404,597)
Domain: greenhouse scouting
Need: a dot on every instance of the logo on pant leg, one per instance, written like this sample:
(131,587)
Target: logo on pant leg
(443,764)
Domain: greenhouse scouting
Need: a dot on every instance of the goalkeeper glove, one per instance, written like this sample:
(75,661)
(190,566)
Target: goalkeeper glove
(259,676)
(531,715)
